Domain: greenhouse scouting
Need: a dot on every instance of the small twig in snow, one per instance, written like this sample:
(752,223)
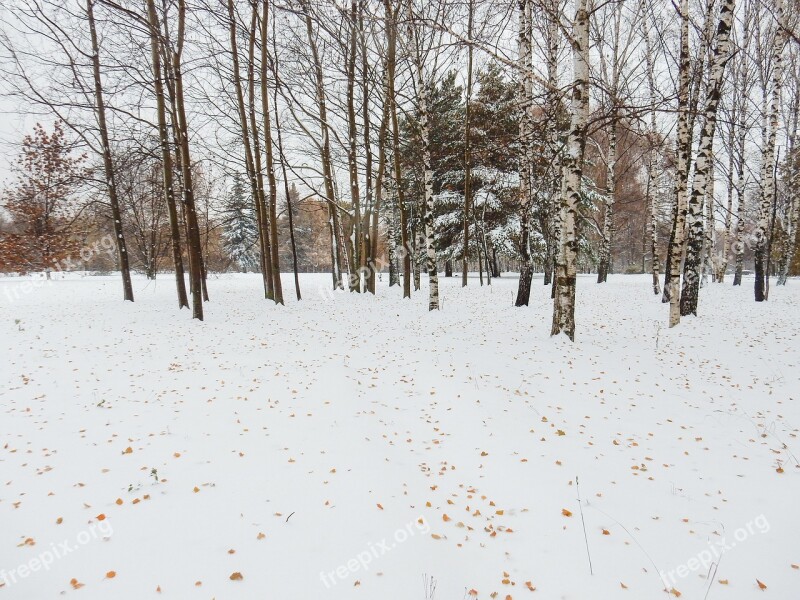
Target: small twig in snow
(585,537)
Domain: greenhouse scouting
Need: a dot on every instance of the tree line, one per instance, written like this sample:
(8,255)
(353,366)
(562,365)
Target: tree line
(557,136)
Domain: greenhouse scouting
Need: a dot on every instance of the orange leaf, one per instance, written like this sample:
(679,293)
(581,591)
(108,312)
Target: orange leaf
(236,576)
(119,501)
(761,585)
(101,517)
(566,512)
(379,506)
(111,574)
(445,518)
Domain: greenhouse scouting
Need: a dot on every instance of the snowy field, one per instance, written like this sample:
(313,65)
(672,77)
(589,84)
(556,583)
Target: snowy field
(356,447)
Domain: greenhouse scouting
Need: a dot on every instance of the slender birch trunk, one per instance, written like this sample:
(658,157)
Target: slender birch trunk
(566,275)
(611,190)
(524,91)
(467,151)
(391,233)
(710,230)
(793,210)
(762,231)
(702,184)
(726,232)
(672,283)
(741,138)
(430,250)
(352,149)
(652,155)
(550,227)
(108,163)
(397,173)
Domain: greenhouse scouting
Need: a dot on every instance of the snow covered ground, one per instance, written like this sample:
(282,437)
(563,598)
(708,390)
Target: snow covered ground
(351,447)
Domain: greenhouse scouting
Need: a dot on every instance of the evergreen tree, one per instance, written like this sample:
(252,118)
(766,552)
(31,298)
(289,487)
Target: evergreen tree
(240,228)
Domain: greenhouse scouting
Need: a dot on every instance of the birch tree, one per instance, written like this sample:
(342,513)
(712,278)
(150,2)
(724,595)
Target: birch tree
(683,145)
(702,184)
(761,233)
(566,266)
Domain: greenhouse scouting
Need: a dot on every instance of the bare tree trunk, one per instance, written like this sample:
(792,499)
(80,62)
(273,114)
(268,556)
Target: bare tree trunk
(566,274)
(391,234)
(467,151)
(381,180)
(282,158)
(524,92)
(252,175)
(741,138)
(108,165)
(611,191)
(726,232)
(671,285)
(710,230)
(367,263)
(652,154)
(352,153)
(761,234)
(338,252)
(193,241)
(793,210)
(397,175)
(258,171)
(275,266)
(166,153)
(422,106)
(704,165)
(552,210)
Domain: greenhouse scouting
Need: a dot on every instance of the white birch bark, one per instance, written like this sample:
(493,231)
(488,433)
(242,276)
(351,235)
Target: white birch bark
(672,289)
(566,267)
(702,184)
(761,233)
(524,92)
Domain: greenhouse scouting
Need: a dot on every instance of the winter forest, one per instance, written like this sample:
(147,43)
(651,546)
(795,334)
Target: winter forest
(489,299)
